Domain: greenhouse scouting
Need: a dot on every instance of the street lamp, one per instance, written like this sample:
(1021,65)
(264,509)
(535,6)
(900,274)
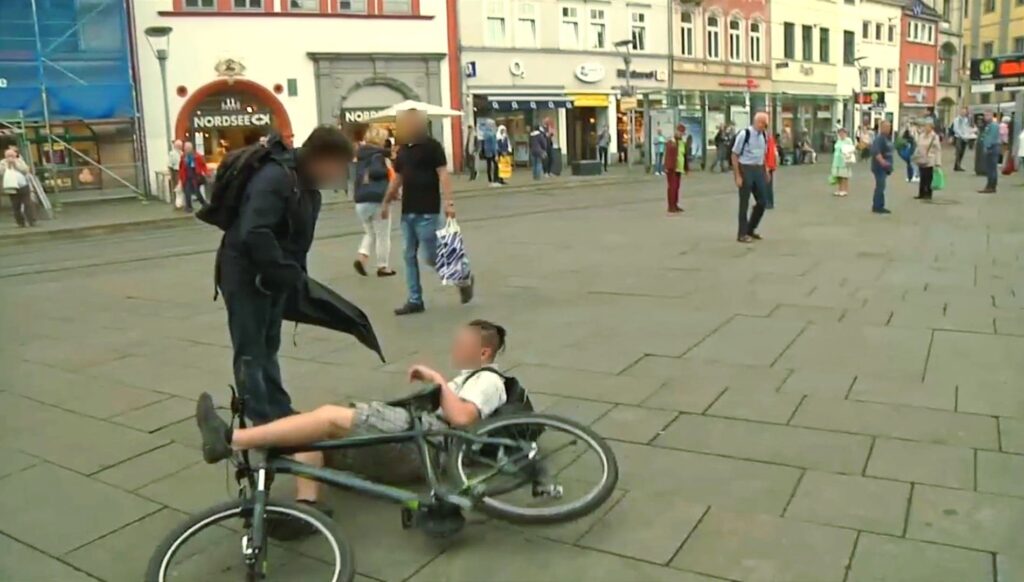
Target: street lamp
(159,40)
(857,109)
(624,48)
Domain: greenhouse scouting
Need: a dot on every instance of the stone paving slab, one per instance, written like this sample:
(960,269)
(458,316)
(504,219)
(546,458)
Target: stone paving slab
(564,382)
(1001,473)
(963,518)
(1001,397)
(1011,435)
(647,527)
(786,445)
(140,471)
(631,423)
(122,555)
(820,383)
(77,509)
(850,501)
(748,341)
(916,462)
(889,559)
(907,422)
(976,359)
(21,563)
(12,461)
(891,352)
(941,395)
(755,404)
(760,548)
(157,415)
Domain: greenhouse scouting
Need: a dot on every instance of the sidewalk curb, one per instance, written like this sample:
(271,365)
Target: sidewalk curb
(175,220)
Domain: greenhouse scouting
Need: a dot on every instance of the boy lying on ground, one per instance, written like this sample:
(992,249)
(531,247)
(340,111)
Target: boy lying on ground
(469,397)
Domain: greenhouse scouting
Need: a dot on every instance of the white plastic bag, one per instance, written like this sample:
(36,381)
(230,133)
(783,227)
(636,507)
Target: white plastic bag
(452,264)
(179,197)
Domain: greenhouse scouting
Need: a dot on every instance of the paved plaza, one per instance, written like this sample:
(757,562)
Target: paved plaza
(843,401)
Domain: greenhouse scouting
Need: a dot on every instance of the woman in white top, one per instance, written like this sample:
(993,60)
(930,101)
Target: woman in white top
(14,177)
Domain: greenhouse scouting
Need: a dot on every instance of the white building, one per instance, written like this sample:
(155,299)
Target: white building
(240,68)
(878,58)
(529,62)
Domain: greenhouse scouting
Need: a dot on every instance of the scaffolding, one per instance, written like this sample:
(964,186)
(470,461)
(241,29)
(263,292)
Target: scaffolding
(67,96)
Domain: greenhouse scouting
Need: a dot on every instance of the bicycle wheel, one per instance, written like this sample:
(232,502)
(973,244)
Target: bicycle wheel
(210,547)
(556,471)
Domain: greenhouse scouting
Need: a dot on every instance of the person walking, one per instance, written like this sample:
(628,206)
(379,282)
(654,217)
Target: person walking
(504,144)
(538,152)
(771,164)
(192,172)
(674,169)
(721,149)
(990,142)
(927,156)
(421,171)
(604,139)
(905,148)
(659,153)
(844,156)
(372,177)
(881,165)
(549,145)
(472,148)
(963,133)
(14,174)
(687,147)
(173,163)
(489,151)
(750,175)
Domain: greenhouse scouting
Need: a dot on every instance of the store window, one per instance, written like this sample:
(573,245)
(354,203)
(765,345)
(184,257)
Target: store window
(824,38)
(304,5)
(849,47)
(639,31)
(789,41)
(200,4)
(352,6)
(756,39)
(598,29)
(495,33)
(735,40)
(396,7)
(807,36)
(687,35)
(570,30)
(714,48)
(248,4)
(526,26)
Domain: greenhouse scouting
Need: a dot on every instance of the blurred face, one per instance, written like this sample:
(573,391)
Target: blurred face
(963,112)
(411,125)
(188,147)
(327,171)
(988,116)
(11,155)
(761,121)
(886,127)
(842,134)
(468,353)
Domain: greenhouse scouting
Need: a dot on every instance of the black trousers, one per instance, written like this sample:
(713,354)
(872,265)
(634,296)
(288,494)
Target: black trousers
(602,156)
(492,170)
(254,322)
(961,147)
(755,183)
(924,187)
(471,166)
(24,209)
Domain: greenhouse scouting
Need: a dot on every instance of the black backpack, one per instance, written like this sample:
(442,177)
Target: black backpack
(233,175)
(517,401)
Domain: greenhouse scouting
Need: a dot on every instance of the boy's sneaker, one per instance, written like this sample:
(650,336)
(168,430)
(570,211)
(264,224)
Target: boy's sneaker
(214,431)
(285,528)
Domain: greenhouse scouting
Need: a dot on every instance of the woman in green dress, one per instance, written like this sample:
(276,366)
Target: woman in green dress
(844,155)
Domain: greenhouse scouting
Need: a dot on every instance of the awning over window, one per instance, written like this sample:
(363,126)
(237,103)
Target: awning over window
(528,102)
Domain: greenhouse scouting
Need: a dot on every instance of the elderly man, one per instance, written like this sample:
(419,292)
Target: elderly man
(174,163)
(192,173)
(881,165)
(752,178)
(990,145)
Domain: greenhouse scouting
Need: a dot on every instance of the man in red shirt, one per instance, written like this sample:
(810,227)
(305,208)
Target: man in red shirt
(192,173)
(674,170)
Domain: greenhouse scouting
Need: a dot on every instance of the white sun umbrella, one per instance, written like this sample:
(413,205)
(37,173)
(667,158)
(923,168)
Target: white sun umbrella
(392,112)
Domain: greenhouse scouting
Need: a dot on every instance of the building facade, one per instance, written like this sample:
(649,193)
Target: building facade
(288,66)
(993,28)
(67,95)
(532,62)
(952,71)
(919,59)
(876,57)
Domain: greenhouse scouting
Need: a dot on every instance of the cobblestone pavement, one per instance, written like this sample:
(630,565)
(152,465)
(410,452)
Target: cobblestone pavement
(841,401)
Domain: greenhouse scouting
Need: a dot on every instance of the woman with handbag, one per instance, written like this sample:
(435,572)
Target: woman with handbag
(844,156)
(504,145)
(928,157)
(192,173)
(14,175)
(373,174)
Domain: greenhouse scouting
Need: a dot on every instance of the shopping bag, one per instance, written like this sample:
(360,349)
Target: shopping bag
(832,180)
(452,264)
(1009,167)
(938,179)
(504,167)
(179,197)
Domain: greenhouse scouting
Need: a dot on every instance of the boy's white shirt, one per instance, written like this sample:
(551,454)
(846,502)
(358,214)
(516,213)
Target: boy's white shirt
(486,389)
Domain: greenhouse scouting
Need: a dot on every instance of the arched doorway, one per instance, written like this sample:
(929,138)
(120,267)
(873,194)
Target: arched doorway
(369,96)
(221,116)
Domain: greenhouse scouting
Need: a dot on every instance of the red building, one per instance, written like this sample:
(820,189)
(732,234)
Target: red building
(919,59)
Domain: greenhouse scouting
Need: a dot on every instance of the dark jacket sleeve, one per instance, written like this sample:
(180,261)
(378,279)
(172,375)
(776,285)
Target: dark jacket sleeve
(263,209)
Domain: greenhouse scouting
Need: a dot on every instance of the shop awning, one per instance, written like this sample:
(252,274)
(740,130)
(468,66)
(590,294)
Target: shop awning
(528,102)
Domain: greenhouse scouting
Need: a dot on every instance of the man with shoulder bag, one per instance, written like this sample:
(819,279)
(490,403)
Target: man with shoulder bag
(14,175)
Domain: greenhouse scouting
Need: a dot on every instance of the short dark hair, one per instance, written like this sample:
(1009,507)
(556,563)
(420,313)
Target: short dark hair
(492,335)
(328,141)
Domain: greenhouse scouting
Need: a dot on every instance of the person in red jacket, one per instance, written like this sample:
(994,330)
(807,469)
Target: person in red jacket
(771,163)
(192,173)
(674,168)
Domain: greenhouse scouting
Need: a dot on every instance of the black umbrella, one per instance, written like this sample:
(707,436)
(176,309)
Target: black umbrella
(313,303)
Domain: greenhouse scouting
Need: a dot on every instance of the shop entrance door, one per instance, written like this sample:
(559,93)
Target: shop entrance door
(582,133)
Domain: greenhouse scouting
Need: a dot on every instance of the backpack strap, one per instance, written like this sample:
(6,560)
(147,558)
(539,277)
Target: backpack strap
(485,369)
(743,145)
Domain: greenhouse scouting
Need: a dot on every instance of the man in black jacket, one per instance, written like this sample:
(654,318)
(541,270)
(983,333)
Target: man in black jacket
(262,258)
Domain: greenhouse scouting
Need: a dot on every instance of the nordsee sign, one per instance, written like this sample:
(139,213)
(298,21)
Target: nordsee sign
(234,120)
(590,72)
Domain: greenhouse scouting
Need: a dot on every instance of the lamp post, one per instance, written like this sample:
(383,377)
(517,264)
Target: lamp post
(159,40)
(624,48)
(856,110)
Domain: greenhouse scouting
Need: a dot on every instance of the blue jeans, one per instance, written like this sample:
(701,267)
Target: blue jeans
(537,163)
(659,162)
(992,167)
(878,202)
(419,232)
(911,171)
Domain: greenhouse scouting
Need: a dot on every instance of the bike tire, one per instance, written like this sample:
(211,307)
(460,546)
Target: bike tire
(501,510)
(165,551)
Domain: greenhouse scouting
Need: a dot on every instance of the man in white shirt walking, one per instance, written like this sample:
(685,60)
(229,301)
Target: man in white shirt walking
(173,164)
(963,133)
